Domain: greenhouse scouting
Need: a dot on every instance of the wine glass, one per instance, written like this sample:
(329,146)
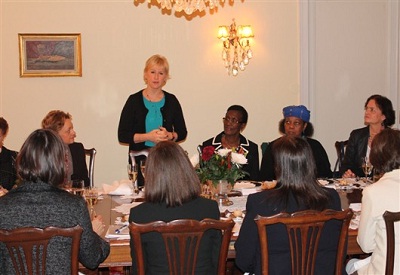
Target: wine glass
(91,195)
(143,167)
(367,167)
(77,187)
(132,173)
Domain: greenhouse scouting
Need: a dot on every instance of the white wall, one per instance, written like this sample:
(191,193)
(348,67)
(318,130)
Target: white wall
(350,61)
(117,38)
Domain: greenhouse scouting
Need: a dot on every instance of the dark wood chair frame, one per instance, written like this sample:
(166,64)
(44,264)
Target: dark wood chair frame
(178,235)
(23,245)
(304,230)
(390,218)
(91,153)
(340,147)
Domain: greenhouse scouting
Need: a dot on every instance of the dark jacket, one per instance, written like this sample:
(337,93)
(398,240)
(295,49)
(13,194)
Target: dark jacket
(197,209)
(252,167)
(133,116)
(248,255)
(8,174)
(80,171)
(267,171)
(355,150)
(41,205)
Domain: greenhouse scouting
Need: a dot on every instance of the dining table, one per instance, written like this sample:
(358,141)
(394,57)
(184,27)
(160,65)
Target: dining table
(109,207)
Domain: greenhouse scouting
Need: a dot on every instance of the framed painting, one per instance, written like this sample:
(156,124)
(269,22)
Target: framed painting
(42,55)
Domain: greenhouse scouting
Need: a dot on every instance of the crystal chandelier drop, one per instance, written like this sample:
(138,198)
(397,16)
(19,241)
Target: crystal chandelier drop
(236,52)
(188,6)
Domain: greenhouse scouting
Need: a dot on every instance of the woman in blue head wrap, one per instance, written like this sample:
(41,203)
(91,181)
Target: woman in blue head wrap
(296,122)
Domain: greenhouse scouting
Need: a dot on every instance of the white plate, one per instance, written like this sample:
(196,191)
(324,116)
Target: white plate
(244,185)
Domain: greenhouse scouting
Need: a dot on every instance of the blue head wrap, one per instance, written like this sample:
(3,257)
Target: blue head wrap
(297,111)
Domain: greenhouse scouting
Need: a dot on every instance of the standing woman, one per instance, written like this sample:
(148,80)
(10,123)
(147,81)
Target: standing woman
(152,114)
(378,115)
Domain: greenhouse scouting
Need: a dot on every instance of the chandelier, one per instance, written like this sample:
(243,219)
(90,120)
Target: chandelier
(236,52)
(188,6)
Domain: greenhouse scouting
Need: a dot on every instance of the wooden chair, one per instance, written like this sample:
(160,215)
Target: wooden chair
(340,147)
(304,231)
(91,153)
(27,247)
(390,218)
(177,236)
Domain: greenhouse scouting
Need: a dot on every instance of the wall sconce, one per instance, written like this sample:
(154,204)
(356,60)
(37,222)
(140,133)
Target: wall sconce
(237,39)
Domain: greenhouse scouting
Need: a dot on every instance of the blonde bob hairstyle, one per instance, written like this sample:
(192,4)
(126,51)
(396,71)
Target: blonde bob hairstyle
(170,176)
(156,60)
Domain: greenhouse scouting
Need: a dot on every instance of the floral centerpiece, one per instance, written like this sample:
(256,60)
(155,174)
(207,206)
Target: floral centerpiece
(223,164)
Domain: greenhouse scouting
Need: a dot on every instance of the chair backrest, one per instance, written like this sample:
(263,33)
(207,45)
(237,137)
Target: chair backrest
(340,147)
(304,230)
(27,247)
(91,153)
(390,218)
(178,235)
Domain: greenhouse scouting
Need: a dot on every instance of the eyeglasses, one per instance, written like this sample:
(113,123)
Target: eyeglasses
(231,120)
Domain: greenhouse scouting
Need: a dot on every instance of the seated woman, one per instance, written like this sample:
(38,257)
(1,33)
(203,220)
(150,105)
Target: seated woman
(173,192)
(235,121)
(297,189)
(8,175)
(61,123)
(378,115)
(296,123)
(39,202)
(377,198)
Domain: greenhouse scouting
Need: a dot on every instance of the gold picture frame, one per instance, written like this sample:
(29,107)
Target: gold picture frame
(43,55)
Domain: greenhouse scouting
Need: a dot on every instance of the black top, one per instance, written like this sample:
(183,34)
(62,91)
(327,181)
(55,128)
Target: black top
(356,149)
(250,148)
(248,255)
(155,256)
(8,173)
(133,116)
(80,171)
(267,171)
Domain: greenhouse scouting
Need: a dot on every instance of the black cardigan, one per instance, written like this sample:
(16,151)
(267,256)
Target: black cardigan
(133,117)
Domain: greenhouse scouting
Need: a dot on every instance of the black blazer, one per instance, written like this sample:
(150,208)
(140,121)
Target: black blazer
(248,255)
(8,173)
(197,209)
(253,163)
(356,149)
(80,171)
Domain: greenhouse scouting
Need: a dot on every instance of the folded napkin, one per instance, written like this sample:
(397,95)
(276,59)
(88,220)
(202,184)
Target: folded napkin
(122,187)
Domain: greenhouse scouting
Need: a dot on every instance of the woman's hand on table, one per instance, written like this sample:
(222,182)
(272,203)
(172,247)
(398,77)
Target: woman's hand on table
(348,174)
(98,225)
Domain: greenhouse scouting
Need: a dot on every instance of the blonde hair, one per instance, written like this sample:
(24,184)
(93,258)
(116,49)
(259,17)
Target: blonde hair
(158,60)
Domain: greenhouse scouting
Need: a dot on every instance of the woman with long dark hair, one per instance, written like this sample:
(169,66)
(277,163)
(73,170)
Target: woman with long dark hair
(297,189)
(173,192)
(40,202)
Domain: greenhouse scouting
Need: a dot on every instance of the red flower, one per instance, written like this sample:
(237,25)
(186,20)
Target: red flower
(208,152)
